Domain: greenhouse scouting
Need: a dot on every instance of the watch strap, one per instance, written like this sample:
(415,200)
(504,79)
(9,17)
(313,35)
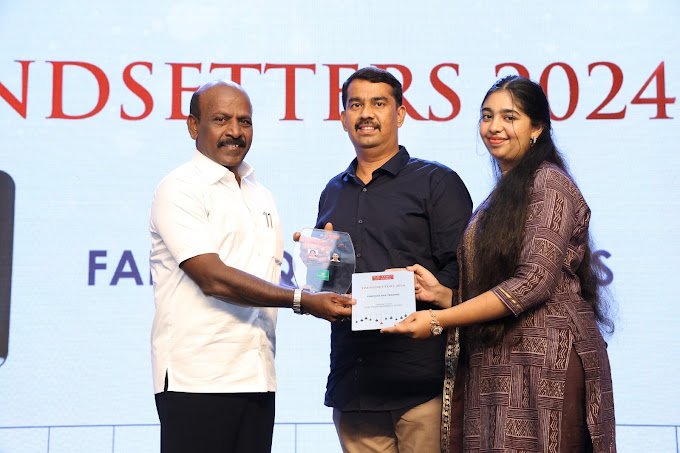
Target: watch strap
(297,301)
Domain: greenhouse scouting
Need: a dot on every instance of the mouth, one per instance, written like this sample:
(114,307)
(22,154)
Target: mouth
(231,144)
(495,141)
(367,127)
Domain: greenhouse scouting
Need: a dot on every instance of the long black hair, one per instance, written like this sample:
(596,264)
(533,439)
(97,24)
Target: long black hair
(500,222)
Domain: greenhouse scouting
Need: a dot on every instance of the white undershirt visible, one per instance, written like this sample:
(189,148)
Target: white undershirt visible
(204,344)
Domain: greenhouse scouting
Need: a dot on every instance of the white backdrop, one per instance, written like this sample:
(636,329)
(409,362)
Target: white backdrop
(89,100)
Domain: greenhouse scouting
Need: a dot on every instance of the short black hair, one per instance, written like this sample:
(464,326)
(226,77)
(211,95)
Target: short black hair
(373,75)
(195,105)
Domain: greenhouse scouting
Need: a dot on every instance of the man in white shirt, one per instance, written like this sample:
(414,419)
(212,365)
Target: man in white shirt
(215,260)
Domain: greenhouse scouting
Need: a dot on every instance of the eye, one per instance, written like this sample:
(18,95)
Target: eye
(380,103)
(246,122)
(485,117)
(354,105)
(509,118)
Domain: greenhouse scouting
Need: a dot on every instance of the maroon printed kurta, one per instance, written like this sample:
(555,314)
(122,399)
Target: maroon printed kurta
(512,392)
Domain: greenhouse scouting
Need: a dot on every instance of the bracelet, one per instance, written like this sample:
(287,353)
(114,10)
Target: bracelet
(297,299)
(435,327)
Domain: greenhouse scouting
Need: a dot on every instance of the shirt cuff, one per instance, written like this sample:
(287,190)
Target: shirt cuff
(508,299)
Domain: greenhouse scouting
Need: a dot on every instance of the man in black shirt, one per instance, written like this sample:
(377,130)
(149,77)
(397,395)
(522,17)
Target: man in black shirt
(386,390)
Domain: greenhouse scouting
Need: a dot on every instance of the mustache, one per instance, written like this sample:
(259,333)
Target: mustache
(231,142)
(370,123)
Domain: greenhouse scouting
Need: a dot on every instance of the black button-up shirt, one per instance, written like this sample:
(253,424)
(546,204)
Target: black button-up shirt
(412,211)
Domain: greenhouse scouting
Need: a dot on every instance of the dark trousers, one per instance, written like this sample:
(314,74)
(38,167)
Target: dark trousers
(575,436)
(216,422)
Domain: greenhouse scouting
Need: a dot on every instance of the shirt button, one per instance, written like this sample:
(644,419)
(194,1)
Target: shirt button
(360,221)
(358,255)
(364,189)
(359,360)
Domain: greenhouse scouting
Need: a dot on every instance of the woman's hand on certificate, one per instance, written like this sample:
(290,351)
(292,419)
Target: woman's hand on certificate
(416,325)
(428,289)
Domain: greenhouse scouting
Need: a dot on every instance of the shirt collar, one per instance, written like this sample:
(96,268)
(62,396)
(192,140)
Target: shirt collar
(213,172)
(392,166)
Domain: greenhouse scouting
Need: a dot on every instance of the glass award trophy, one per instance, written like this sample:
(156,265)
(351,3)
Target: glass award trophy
(324,261)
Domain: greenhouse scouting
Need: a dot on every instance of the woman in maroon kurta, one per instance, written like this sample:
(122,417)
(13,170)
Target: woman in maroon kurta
(527,366)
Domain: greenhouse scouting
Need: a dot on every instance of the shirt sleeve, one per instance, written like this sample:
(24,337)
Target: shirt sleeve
(450,208)
(179,217)
(548,231)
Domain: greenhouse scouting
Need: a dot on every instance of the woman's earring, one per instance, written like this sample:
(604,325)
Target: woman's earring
(532,141)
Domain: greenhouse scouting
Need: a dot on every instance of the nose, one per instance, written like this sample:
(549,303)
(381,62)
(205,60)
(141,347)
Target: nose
(366,111)
(495,125)
(233,128)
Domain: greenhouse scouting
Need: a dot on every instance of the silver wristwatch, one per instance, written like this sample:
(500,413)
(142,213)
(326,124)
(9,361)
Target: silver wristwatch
(297,301)
(435,327)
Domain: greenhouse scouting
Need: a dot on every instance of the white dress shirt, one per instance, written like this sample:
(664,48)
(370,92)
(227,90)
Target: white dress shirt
(207,345)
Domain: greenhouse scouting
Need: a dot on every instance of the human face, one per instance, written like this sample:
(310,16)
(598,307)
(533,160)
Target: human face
(372,118)
(505,129)
(224,132)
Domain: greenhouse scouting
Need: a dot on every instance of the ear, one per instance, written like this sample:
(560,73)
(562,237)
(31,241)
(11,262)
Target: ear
(536,131)
(192,126)
(342,120)
(401,115)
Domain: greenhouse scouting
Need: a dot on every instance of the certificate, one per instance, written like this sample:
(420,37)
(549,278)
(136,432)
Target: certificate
(382,299)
